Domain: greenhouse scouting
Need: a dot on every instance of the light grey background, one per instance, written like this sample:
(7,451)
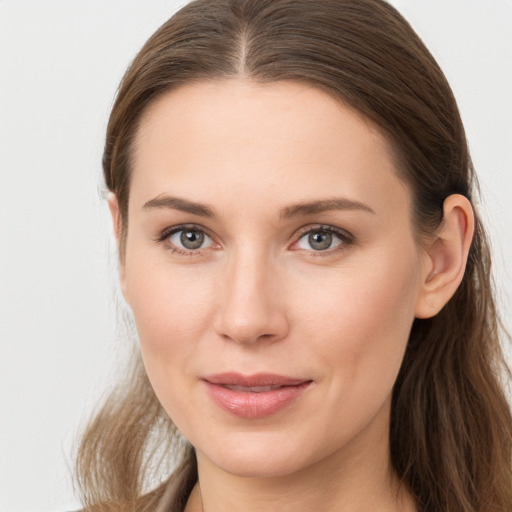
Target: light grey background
(60,63)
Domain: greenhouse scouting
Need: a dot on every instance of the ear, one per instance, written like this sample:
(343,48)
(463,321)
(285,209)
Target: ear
(115,213)
(113,206)
(446,256)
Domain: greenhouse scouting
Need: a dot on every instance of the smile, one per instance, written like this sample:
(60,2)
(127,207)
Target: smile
(255,396)
(252,389)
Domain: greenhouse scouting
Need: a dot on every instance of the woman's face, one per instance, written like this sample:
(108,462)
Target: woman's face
(272,270)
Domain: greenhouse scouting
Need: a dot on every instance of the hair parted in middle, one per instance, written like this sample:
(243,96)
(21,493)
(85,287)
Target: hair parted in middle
(451,427)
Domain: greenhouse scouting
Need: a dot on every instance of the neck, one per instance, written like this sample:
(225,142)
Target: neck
(357,478)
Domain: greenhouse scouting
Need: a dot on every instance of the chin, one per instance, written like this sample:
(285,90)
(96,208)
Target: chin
(259,466)
(259,456)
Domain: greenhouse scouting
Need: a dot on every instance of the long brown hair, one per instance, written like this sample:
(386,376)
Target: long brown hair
(451,425)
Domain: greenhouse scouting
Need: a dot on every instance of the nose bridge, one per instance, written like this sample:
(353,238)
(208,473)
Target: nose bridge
(251,307)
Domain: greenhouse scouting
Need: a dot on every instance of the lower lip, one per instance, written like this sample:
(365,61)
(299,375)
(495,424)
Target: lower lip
(255,405)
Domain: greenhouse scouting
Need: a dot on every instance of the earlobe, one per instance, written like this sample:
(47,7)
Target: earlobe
(446,256)
(115,213)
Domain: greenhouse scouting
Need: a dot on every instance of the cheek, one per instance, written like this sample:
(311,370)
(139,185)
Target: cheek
(361,319)
(172,311)
(171,306)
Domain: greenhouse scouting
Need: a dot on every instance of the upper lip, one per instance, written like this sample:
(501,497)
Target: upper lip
(257,379)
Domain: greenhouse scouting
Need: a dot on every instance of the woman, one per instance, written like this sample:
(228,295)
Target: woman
(291,194)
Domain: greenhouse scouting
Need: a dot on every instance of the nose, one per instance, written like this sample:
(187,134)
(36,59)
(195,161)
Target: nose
(252,307)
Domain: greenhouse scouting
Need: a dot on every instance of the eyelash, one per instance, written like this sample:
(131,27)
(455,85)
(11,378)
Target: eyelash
(346,239)
(168,232)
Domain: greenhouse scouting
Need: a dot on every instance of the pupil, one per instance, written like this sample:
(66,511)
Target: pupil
(320,240)
(192,239)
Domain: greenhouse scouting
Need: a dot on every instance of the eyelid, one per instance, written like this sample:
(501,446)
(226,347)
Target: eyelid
(166,233)
(346,237)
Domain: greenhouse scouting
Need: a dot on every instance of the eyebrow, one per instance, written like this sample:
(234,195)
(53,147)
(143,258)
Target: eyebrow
(178,203)
(312,207)
(296,210)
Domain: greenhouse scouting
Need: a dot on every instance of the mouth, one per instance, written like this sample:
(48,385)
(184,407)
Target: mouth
(250,389)
(254,396)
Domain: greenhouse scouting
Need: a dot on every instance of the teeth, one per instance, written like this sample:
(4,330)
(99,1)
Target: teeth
(252,389)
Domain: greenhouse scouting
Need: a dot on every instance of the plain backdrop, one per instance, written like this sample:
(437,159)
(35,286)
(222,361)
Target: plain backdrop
(60,63)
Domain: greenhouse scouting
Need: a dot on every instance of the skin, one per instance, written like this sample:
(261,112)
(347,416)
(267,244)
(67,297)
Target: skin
(257,297)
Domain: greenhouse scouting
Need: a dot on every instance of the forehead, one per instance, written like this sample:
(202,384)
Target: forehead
(282,140)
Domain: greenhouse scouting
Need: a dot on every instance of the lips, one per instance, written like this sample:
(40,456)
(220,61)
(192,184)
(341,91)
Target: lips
(250,389)
(254,396)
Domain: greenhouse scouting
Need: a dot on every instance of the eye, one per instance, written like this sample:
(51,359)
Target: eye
(186,239)
(322,239)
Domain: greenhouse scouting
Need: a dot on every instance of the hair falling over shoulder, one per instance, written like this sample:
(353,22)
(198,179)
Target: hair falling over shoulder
(451,424)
